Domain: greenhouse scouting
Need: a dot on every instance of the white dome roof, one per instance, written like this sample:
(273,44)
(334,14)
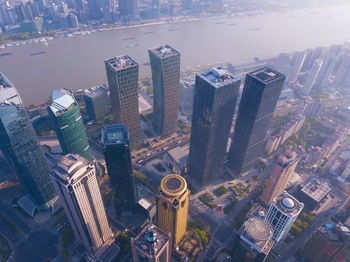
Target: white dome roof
(288,202)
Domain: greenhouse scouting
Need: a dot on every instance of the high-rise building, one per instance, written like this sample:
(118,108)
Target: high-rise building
(172,206)
(187,4)
(283,212)
(97,102)
(94,9)
(256,236)
(259,98)
(151,245)
(215,98)
(68,124)
(311,78)
(122,75)
(297,62)
(115,139)
(76,184)
(20,146)
(280,176)
(326,70)
(165,65)
(129,8)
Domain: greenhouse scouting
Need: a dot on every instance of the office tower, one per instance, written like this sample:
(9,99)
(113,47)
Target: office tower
(256,236)
(259,98)
(214,103)
(122,75)
(20,146)
(342,78)
(76,184)
(115,139)
(308,56)
(67,122)
(280,176)
(172,206)
(129,8)
(73,20)
(165,65)
(282,213)
(311,78)
(297,62)
(187,4)
(326,71)
(151,245)
(94,9)
(97,102)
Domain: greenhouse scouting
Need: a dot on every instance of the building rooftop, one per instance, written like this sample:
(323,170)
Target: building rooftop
(70,168)
(218,76)
(8,92)
(316,190)
(114,134)
(121,62)
(95,91)
(288,158)
(331,231)
(266,75)
(173,185)
(179,155)
(257,234)
(164,51)
(288,204)
(151,240)
(61,100)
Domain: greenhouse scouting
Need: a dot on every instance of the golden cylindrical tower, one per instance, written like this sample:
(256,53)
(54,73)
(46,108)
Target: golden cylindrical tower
(172,206)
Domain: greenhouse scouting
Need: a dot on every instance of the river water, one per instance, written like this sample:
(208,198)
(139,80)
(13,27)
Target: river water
(78,62)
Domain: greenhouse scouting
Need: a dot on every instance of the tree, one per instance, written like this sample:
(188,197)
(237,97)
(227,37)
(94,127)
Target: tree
(65,254)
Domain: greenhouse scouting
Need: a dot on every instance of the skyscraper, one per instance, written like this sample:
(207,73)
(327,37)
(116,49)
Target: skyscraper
(76,184)
(122,74)
(94,9)
(215,98)
(280,176)
(129,8)
(172,206)
(151,245)
(20,146)
(69,127)
(97,102)
(165,64)
(311,78)
(297,62)
(115,139)
(282,213)
(259,98)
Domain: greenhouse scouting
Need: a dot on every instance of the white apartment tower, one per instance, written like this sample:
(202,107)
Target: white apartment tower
(76,184)
(282,213)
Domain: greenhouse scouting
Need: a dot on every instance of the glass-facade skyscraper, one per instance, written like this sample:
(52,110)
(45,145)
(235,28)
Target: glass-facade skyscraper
(122,74)
(20,146)
(68,124)
(115,139)
(165,64)
(261,91)
(215,98)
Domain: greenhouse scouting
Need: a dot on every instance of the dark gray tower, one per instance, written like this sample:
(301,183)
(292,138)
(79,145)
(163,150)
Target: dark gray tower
(20,146)
(122,75)
(259,98)
(165,64)
(215,98)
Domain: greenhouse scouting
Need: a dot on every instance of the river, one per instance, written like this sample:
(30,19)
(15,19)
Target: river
(78,62)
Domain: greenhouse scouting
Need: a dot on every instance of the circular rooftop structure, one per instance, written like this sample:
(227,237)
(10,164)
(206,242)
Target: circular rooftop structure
(173,185)
(259,229)
(287,202)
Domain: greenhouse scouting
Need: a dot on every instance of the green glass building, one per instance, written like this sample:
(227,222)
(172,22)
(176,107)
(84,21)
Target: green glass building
(68,124)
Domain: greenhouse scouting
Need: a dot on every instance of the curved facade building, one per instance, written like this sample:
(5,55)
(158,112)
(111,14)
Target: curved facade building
(172,206)
(68,124)
(20,146)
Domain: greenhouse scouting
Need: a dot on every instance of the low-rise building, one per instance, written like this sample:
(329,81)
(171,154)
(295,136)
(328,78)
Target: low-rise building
(313,192)
(176,159)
